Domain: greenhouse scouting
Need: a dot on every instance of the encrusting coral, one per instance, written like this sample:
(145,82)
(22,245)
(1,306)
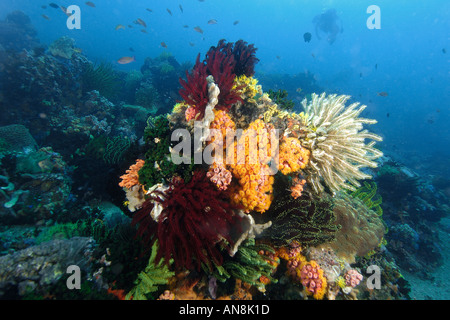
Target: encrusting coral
(265,158)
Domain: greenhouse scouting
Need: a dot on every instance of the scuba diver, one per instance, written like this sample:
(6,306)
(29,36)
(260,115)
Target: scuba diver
(329,24)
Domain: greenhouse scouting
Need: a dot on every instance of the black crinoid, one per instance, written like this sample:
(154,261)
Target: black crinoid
(308,220)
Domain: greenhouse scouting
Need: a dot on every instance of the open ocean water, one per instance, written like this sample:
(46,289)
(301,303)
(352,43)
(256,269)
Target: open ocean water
(95,95)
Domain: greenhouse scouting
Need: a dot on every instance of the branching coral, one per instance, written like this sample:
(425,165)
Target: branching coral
(220,67)
(195,88)
(131,178)
(251,263)
(194,221)
(335,137)
(243,54)
(154,275)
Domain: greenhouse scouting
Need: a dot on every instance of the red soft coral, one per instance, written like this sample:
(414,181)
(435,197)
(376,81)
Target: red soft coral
(243,55)
(221,67)
(194,89)
(195,220)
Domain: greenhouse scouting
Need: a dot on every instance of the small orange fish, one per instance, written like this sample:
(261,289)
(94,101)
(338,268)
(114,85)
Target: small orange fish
(90,4)
(126,60)
(198,29)
(382,94)
(141,22)
(163,44)
(45,17)
(120,26)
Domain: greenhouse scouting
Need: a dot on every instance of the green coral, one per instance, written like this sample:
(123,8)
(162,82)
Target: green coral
(154,275)
(247,264)
(116,149)
(100,77)
(158,167)
(280,98)
(368,195)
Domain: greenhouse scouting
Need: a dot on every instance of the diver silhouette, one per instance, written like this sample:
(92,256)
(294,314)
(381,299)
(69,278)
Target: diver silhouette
(329,24)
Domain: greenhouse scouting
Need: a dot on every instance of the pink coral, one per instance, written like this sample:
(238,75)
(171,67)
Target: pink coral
(312,279)
(352,278)
(220,176)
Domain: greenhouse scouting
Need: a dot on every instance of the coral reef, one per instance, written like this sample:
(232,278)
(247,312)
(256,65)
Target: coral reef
(36,268)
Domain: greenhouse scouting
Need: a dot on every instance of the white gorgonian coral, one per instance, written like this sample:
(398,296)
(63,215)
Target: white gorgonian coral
(336,138)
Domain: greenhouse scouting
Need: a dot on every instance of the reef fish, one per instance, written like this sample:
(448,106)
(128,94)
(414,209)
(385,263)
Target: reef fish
(149,10)
(170,12)
(163,44)
(90,4)
(45,17)
(236,22)
(120,26)
(212,21)
(64,9)
(307,37)
(126,60)
(382,94)
(181,8)
(54,5)
(198,29)
(141,22)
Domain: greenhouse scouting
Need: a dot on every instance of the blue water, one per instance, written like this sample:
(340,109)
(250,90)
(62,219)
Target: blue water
(400,71)
(407,50)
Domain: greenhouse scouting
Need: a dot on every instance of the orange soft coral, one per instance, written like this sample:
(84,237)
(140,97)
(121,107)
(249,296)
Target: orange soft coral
(297,187)
(292,156)
(131,178)
(248,163)
(254,188)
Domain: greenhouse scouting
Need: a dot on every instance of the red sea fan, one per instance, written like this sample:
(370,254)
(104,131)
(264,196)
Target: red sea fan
(221,67)
(195,88)
(146,225)
(195,220)
(243,55)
